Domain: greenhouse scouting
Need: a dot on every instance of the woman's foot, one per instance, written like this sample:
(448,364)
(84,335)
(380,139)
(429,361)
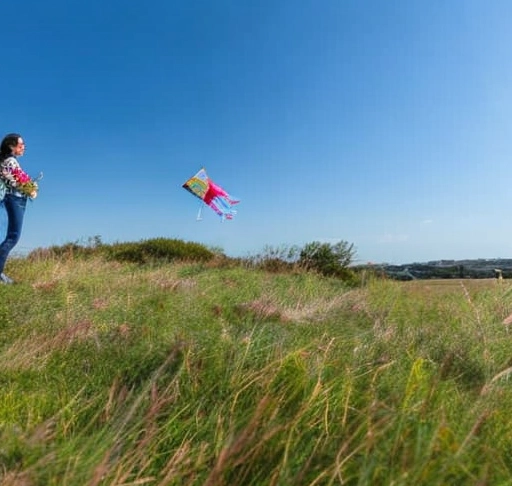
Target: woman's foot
(4,279)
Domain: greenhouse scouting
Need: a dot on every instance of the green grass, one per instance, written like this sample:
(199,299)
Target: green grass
(202,374)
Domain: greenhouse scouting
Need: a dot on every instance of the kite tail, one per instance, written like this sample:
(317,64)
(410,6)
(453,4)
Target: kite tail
(224,208)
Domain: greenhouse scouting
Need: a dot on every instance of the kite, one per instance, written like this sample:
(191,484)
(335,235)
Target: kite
(201,186)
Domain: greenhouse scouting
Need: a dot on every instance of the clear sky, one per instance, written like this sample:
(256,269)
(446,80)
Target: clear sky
(384,124)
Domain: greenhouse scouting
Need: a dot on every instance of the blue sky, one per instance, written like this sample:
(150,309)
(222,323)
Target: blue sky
(384,124)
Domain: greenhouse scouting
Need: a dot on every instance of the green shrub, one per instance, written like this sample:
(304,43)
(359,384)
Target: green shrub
(159,249)
(328,259)
(91,247)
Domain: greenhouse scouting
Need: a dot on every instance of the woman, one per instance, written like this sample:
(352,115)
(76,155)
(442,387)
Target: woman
(19,187)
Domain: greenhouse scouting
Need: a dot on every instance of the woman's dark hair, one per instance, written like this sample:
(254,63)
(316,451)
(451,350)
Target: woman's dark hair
(8,143)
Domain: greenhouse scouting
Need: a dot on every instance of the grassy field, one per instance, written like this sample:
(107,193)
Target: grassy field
(196,374)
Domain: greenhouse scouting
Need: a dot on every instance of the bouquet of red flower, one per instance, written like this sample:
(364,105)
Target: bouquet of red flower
(24,183)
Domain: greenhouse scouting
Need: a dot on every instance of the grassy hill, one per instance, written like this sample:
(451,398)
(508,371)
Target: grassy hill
(216,372)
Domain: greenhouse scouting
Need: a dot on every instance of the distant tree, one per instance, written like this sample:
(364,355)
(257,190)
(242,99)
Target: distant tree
(328,259)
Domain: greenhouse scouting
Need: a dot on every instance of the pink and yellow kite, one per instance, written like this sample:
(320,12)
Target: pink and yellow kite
(201,186)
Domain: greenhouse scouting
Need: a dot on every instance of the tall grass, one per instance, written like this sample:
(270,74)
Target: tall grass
(196,374)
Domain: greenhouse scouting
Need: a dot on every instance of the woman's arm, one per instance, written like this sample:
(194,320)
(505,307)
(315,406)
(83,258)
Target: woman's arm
(16,178)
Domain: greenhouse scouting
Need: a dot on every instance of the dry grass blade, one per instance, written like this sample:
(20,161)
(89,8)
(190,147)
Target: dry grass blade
(502,374)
